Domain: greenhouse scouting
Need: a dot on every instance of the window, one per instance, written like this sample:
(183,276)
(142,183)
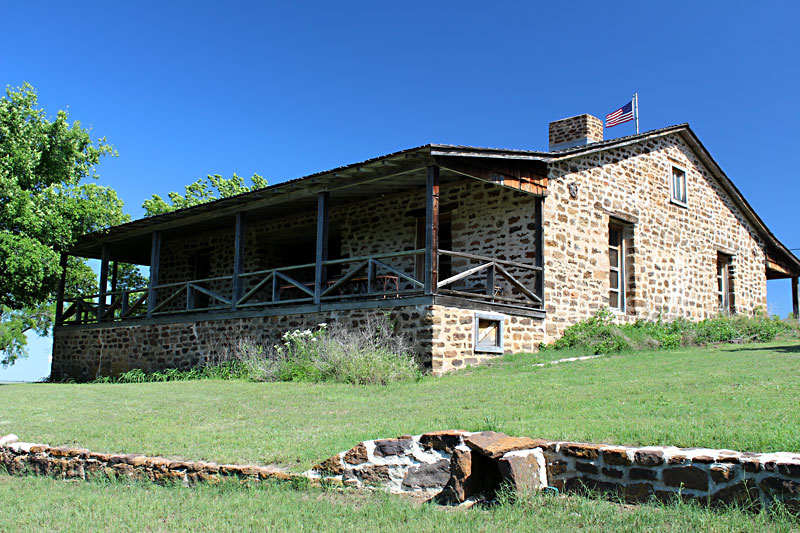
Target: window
(724,282)
(616,274)
(488,335)
(678,187)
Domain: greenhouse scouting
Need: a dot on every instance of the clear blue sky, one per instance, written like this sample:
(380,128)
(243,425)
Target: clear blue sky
(184,89)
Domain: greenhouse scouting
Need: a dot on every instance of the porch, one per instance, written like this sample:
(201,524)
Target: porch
(237,277)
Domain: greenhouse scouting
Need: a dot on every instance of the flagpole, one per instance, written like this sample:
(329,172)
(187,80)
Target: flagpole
(636,110)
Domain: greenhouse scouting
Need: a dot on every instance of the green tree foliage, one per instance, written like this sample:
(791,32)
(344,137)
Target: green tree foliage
(201,191)
(45,204)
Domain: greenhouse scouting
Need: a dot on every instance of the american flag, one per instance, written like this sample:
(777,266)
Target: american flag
(623,114)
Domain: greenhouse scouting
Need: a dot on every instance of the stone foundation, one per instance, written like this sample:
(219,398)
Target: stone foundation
(441,338)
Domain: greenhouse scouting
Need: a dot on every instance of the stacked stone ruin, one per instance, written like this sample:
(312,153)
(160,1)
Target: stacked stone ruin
(458,467)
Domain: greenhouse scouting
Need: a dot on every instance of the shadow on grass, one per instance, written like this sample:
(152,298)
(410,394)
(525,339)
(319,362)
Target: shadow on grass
(793,348)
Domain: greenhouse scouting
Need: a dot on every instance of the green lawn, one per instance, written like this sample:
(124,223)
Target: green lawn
(42,504)
(742,397)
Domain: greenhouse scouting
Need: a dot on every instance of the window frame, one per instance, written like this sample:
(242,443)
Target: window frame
(724,262)
(672,191)
(498,347)
(619,269)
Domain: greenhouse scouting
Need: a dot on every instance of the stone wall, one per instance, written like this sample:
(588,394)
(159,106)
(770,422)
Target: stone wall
(441,337)
(672,250)
(480,462)
(22,458)
(456,466)
(84,354)
(453,337)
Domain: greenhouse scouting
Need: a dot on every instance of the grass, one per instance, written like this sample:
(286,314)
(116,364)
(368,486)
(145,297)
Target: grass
(46,504)
(736,396)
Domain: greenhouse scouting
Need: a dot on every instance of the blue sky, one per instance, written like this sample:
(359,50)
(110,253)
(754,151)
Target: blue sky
(184,89)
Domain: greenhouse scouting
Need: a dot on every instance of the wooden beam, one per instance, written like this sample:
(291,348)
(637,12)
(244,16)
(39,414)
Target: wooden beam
(320,272)
(432,230)
(155,259)
(238,258)
(62,283)
(105,257)
(795,299)
(538,239)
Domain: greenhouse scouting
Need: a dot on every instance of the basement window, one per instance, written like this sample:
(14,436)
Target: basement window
(678,187)
(488,335)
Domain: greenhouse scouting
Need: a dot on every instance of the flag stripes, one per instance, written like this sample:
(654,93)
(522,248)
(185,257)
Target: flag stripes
(623,114)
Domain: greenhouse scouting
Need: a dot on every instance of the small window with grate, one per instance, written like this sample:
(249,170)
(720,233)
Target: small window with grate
(488,335)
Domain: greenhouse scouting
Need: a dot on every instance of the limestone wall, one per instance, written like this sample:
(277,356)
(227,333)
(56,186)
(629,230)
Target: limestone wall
(672,250)
(22,458)
(83,354)
(480,462)
(453,337)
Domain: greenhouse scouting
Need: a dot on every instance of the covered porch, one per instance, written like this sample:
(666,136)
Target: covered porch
(429,225)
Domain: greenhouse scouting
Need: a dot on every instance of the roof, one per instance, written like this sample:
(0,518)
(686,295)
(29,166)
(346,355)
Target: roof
(337,178)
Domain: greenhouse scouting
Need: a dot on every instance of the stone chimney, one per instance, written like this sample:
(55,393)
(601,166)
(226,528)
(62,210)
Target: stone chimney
(575,131)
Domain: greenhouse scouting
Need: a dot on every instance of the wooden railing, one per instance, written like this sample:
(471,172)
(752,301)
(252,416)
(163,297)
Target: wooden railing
(481,280)
(378,276)
(114,305)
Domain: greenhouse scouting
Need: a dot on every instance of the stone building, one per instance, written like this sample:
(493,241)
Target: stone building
(473,252)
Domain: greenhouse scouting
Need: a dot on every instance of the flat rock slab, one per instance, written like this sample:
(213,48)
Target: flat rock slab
(495,445)
(427,476)
(386,447)
(443,441)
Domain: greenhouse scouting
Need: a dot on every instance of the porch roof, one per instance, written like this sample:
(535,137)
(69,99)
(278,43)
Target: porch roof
(400,171)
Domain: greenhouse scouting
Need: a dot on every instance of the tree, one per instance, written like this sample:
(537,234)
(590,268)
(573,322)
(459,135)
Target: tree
(202,191)
(45,204)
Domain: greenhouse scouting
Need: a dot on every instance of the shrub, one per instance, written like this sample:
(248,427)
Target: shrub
(373,354)
(599,335)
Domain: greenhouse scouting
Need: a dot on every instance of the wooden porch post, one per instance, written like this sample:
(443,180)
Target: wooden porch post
(238,259)
(105,256)
(432,230)
(62,283)
(114,276)
(155,258)
(320,272)
(539,240)
(795,299)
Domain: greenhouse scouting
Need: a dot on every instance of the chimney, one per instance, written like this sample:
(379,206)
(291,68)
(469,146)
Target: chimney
(575,131)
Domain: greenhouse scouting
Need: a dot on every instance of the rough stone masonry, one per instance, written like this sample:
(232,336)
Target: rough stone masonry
(456,467)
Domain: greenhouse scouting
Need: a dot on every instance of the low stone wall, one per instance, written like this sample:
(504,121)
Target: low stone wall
(457,467)
(20,458)
(480,462)
(86,353)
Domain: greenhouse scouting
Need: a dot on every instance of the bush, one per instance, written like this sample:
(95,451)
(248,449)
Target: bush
(373,354)
(599,334)
(369,355)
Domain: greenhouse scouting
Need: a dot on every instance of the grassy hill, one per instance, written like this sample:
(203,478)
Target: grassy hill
(742,397)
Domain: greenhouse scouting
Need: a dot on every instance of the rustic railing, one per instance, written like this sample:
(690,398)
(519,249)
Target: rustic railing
(377,276)
(480,281)
(114,305)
